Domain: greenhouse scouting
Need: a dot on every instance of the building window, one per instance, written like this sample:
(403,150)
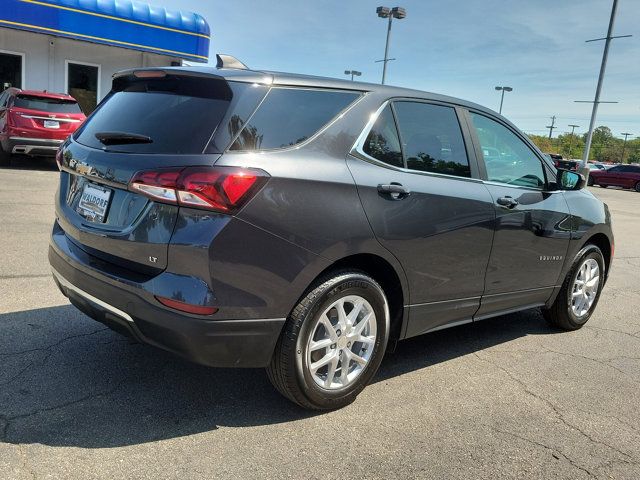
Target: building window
(10,71)
(82,84)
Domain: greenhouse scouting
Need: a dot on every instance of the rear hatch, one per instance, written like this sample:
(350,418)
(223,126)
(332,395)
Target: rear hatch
(45,117)
(151,121)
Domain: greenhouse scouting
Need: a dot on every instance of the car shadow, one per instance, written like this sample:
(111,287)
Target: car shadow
(67,381)
(24,162)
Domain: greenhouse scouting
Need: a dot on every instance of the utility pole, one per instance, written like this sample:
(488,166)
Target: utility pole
(573,129)
(552,126)
(624,146)
(596,101)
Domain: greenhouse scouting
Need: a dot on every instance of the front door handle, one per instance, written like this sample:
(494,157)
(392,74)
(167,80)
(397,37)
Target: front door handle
(507,201)
(394,189)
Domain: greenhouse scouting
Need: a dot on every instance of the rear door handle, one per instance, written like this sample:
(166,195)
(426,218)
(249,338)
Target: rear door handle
(394,190)
(507,201)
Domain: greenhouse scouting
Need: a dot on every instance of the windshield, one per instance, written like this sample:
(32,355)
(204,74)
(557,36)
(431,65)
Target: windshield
(46,104)
(174,114)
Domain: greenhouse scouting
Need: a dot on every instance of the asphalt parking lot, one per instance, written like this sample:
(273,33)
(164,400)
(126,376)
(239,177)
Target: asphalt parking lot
(504,398)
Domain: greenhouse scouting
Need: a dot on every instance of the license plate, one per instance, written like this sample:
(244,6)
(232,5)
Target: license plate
(94,202)
(51,124)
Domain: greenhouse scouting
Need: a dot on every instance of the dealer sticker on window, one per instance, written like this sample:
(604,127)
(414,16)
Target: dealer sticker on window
(94,202)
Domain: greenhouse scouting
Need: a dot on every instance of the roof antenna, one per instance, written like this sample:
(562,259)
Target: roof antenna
(228,61)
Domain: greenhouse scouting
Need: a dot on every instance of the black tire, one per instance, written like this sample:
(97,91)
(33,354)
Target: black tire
(5,158)
(590,181)
(561,314)
(603,186)
(637,187)
(288,370)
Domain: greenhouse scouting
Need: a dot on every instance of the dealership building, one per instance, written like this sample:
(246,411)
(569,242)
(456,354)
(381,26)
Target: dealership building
(75,46)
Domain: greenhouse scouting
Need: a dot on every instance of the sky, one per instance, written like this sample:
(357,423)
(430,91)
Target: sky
(462,48)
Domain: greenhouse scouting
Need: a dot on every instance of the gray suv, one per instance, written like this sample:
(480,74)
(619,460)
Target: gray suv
(244,218)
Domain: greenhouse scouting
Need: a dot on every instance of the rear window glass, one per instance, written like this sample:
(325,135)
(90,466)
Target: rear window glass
(45,104)
(179,114)
(289,116)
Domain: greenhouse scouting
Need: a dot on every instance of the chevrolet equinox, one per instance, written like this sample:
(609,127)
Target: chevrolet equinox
(244,218)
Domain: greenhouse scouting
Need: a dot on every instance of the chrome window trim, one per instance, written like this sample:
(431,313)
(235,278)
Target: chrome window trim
(358,151)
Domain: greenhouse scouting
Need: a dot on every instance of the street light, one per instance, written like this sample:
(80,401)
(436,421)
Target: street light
(503,89)
(352,73)
(624,146)
(390,13)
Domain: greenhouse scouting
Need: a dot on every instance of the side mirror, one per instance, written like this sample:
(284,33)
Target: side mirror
(568,180)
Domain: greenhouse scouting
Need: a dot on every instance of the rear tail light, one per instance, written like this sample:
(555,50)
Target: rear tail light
(222,189)
(187,307)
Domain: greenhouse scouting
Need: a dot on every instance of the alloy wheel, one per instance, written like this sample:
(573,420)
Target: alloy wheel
(585,287)
(342,342)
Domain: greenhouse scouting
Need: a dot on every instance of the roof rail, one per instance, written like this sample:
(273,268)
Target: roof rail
(228,61)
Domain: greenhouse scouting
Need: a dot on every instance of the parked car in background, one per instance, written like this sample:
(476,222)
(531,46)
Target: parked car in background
(35,123)
(625,176)
(560,162)
(245,218)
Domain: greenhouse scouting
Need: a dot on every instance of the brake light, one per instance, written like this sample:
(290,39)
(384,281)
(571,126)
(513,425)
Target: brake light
(186,307)
(222,189)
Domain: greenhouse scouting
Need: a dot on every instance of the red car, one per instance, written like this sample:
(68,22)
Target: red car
(626,176)
(35,123)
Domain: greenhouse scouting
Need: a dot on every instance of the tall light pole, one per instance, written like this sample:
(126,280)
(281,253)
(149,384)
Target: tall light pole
(390,13)
(624,146)
(573,129)
(352,73)
(504,89)
(596,101)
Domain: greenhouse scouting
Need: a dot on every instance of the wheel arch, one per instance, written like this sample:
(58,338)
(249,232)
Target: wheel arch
(392,281)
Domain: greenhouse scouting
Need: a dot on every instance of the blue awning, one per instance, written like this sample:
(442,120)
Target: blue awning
(120,23)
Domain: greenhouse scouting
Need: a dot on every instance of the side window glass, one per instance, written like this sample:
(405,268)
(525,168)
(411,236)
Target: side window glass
(383,143)
(3,99)
(431,138)
(289,116)
(507,158)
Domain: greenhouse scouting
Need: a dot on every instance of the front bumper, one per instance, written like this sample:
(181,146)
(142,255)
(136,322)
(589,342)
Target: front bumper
(216,343)
(46,147)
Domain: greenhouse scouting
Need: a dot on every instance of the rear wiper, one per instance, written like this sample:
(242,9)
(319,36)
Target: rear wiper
(121,138)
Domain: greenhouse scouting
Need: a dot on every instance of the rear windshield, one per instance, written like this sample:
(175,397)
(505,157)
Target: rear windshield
(288,116)
(45,104)
(178,113)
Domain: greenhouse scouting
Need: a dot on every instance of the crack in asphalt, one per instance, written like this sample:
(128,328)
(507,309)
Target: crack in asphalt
(603,362)
(25,461)
(43,361)
(49,347)
(547,447)
(630,334)
(28,275)
(552,406)
(9,420)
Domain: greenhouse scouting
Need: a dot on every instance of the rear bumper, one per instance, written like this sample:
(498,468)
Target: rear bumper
(33,146)
(217,343)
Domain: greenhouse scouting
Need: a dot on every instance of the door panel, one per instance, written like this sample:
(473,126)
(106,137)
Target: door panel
(441,234)
(532,228)
(529,246)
